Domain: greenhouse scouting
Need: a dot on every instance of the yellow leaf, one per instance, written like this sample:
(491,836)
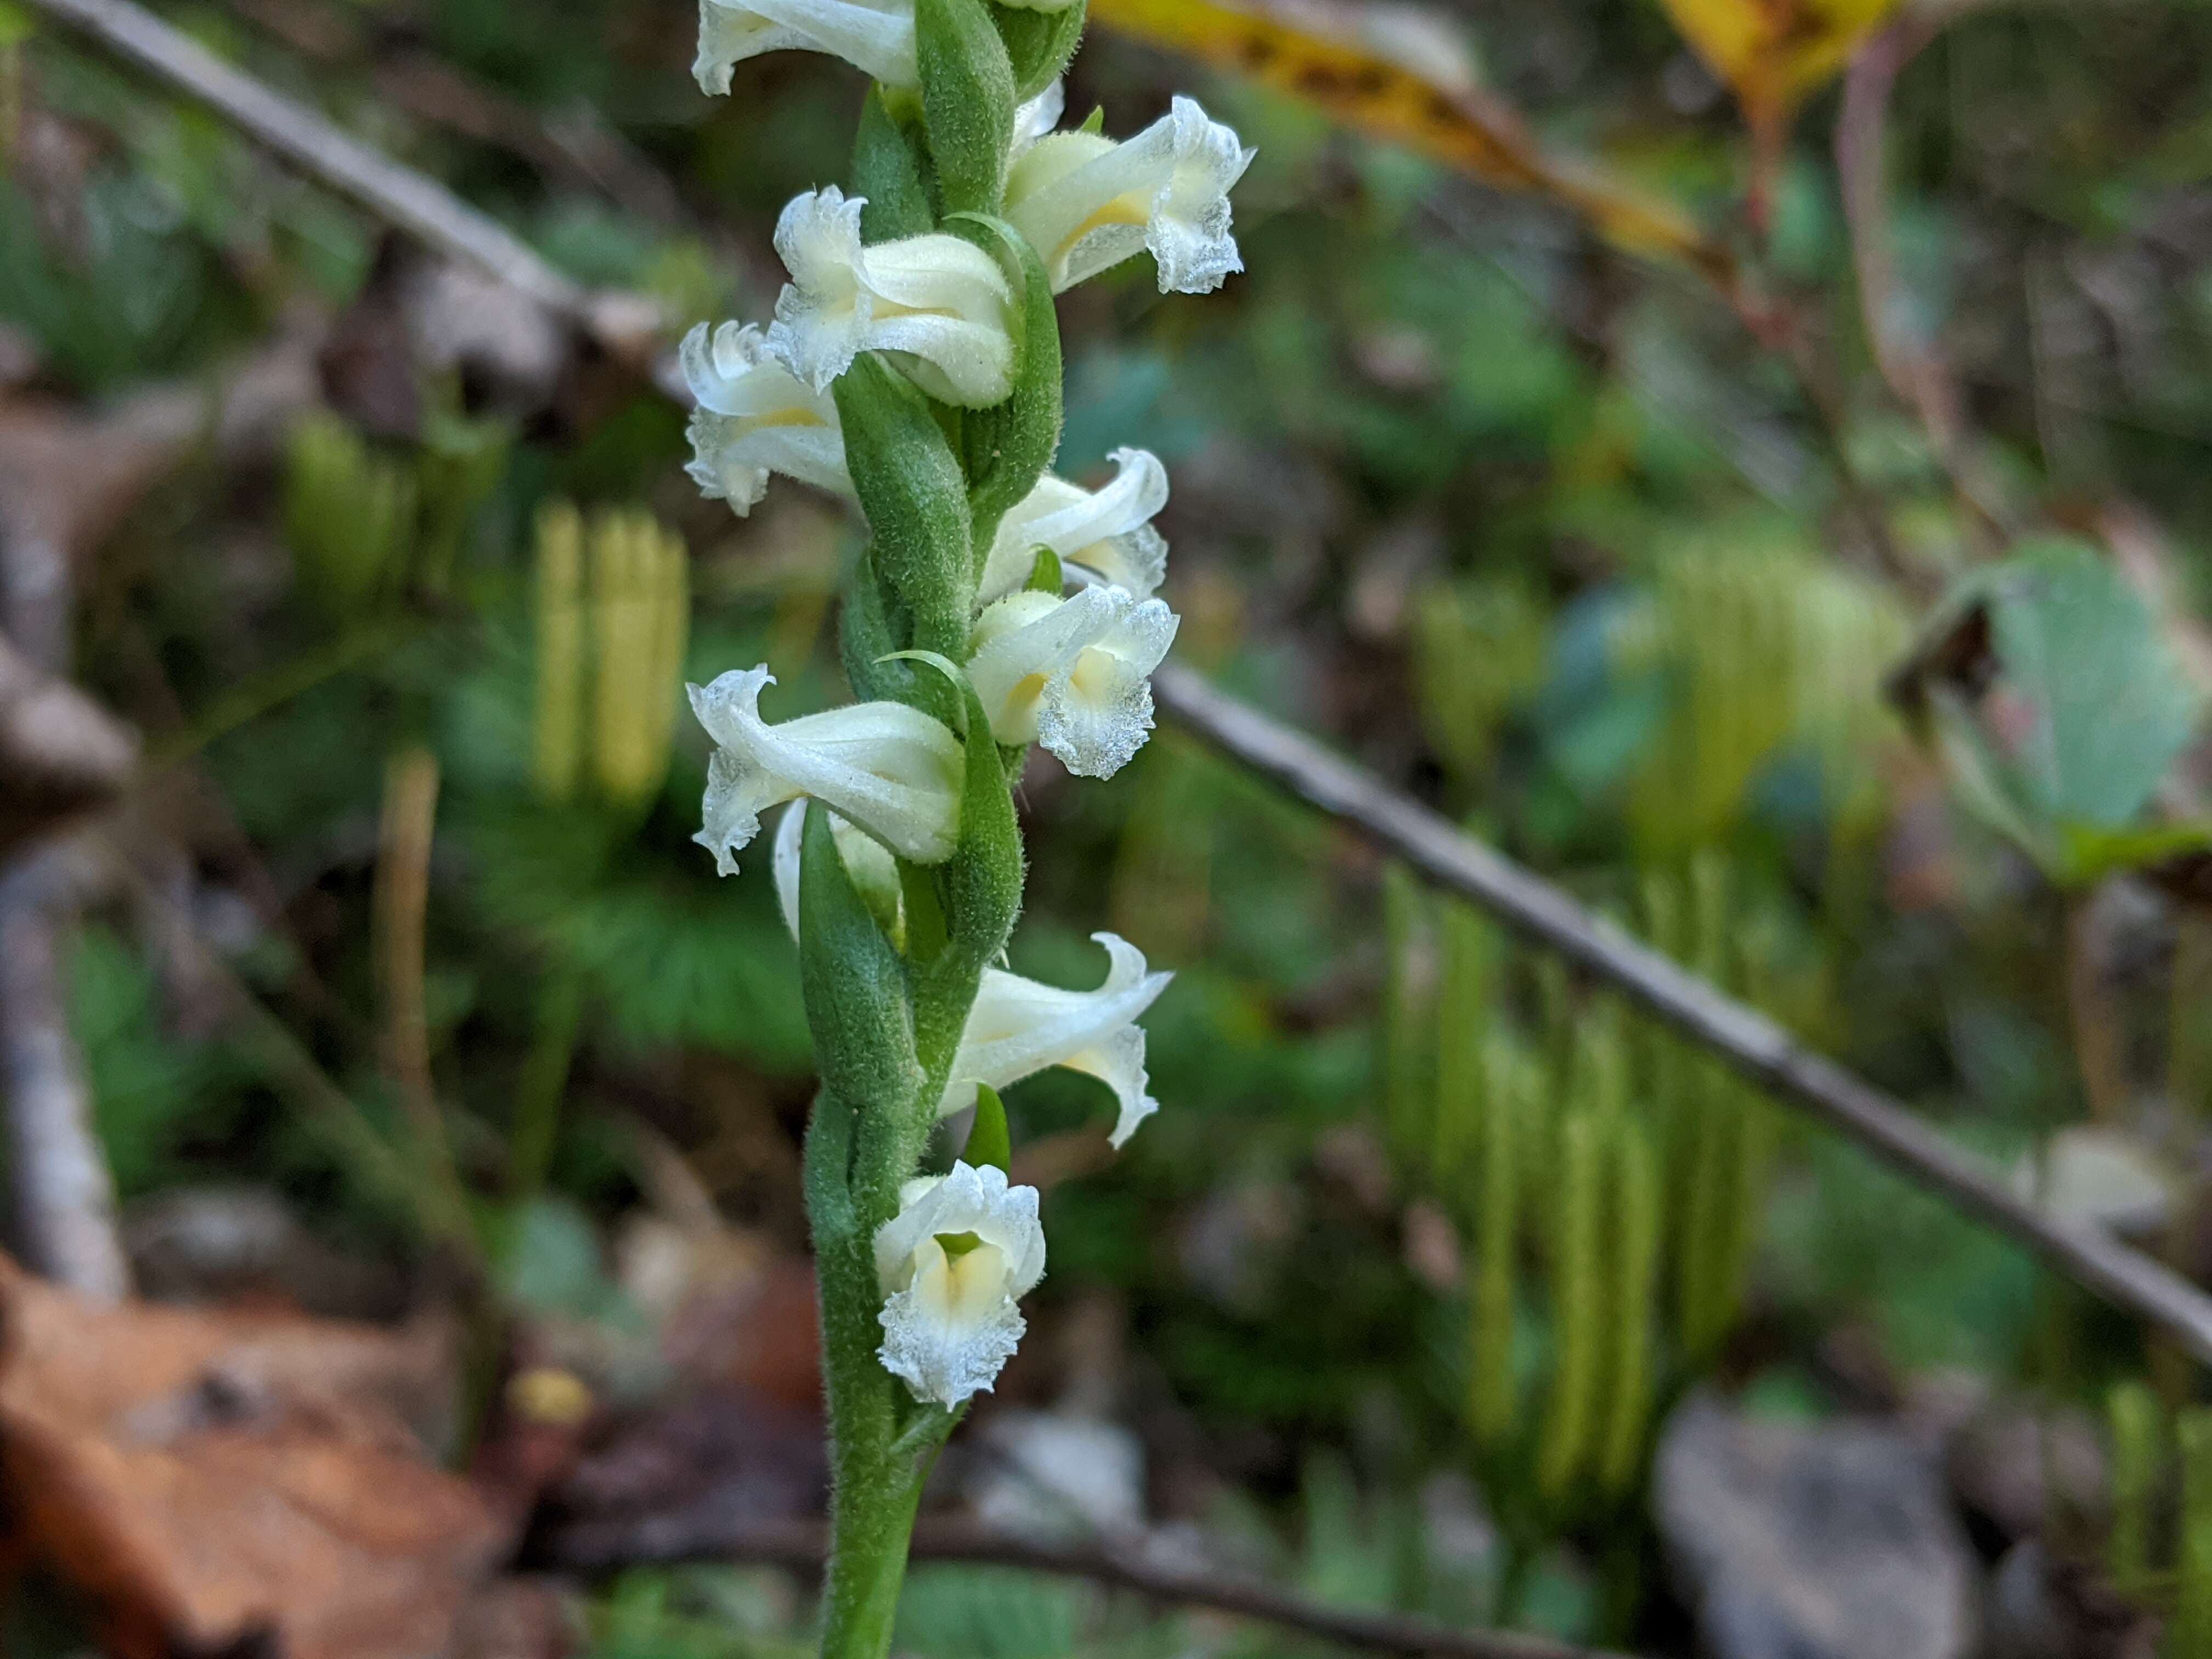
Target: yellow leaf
(1359,78)
(1773,53)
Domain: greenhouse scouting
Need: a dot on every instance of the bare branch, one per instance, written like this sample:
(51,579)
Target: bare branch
(1749,1041)
(397,194)
(577,146)
(802,1546)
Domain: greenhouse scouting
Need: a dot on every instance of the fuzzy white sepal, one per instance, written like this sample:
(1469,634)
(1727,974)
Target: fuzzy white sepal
(1087,202)
(936,305)
(1109,532)
(1018,1027)
(951,1317)
(891,770)
(875,36)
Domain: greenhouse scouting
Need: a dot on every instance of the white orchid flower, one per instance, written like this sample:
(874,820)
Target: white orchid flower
(1087,202)
(936,305)
(953,1265)
(891,770)
(753,416)
(1073,674)
(1018,1028)
(875,36)
(1107,531)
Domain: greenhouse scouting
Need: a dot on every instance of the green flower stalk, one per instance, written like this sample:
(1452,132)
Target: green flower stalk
(912,367)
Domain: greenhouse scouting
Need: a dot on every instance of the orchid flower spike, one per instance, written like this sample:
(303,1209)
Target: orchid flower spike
(1107,531)
(953,1265)
(1087,202)
(936,305)
(868,863)
(875,36)
(1018,1027)
(889,769)
(1073,674)
(754,417)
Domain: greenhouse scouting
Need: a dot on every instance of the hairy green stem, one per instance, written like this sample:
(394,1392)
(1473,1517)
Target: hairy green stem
(873,1490)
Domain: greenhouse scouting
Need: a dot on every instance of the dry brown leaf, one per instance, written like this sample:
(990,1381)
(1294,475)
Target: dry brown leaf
(207,1479)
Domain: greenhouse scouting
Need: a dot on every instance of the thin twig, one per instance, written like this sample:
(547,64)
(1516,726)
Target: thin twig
(1915,369)
(393,192)
(2101,1264)
(577,146)
(801,1546)
(402,909)
(1749,1041)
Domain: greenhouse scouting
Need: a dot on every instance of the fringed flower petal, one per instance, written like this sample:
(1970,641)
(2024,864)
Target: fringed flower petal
(875,36)
(1073,674)
(753,418)
(1019,1027)
(1086,204)
(953,1265)
(1108,531)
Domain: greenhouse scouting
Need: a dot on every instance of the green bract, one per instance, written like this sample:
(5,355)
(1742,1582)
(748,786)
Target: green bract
(988,1142)
(1038,43)
(1008,449)
(968,97)
(891,170)
(854,984)
(915,496)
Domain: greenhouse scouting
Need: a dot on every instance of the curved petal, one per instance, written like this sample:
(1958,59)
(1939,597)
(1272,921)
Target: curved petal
(1085,208)
(1109,531)
(938,303)
(1018,1027)
(892,770)
(1073,673)
(1096,711)
(754,417)
(875,36)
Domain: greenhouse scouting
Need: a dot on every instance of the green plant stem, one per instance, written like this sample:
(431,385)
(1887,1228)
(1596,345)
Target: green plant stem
(1517,1563)
(877,1463)
(544,1079)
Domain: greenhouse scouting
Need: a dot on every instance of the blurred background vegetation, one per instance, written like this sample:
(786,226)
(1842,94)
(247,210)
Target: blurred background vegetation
(1806,571)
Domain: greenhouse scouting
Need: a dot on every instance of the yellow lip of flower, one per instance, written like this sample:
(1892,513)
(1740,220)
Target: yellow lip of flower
(1071,673)
(953,1266)
(1127,209)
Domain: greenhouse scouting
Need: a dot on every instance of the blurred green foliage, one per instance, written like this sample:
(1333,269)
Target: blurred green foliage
(1547,537)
